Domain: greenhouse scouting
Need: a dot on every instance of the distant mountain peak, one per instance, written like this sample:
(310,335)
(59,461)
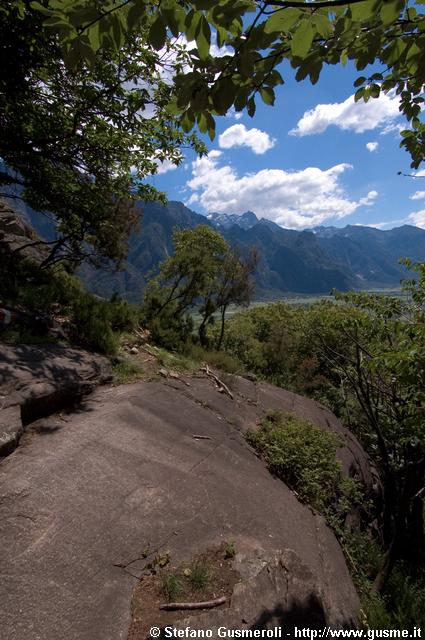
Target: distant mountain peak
(245,220)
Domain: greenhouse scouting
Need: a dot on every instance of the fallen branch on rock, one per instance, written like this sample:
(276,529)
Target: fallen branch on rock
(217,380)
(209,604)
(201,437)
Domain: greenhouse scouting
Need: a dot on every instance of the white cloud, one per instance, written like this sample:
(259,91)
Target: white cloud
(418,195)
(239,136)
(375,225)
(372,146)
(392,127)
(165,166)
(369,199)
(390,224)
(294,199)
(418,218)
(420,174)
(349,115)
(215,50)
(232,113)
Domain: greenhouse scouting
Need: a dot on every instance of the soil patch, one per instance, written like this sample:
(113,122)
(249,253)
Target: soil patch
(207,576)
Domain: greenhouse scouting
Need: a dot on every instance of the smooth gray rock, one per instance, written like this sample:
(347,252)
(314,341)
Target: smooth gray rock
(277,590)
(38,381)
(86,494)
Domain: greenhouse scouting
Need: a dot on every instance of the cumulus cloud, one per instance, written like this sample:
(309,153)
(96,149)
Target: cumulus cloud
(418,218)
(369,199)
(239,136)
(349,115)
(165,166)
(294,199)
(418,195)
(372,146)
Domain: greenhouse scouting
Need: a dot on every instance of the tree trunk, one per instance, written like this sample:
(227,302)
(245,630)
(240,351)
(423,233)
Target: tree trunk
(386,568)
(220,340)
(203,331)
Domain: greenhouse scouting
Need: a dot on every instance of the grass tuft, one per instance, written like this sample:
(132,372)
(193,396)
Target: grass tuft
(171,586)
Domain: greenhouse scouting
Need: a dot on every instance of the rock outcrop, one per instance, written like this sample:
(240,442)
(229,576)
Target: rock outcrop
(18,238)
(39,381)
(90,498)
(276,590)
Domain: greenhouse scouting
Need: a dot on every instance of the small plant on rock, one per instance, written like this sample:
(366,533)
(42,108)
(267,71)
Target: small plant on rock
(199,575)
(230,549)
(171,586)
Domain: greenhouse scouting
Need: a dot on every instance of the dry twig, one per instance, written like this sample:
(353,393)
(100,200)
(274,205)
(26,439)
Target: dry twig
(209,604)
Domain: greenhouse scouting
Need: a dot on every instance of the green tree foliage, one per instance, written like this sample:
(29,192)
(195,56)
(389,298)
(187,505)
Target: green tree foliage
(79,142)
(86,320)
(259,35)
(365,357)
(203,273)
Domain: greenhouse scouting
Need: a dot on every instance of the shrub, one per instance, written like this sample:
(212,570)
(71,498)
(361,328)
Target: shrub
(97,323)
(304,457)
(219,359)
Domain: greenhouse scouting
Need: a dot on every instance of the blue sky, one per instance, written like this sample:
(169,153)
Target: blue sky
(336,165)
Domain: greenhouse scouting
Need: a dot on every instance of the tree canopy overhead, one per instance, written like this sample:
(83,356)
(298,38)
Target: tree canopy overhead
(257,36)
(78,142)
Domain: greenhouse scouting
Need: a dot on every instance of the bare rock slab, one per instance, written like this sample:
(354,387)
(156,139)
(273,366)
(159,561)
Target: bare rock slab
(37,381)
(277,591)
(82,501)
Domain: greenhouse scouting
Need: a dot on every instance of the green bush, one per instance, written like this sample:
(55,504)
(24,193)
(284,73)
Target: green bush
(93,322)
(218,359)
(97,323)
(304,457)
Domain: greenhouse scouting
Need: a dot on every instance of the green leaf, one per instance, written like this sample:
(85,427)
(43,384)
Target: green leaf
(187,121)
(191,23)
(363,10)
(251,107)
(202,122)
(37,6)
(93,35)
(390,11)
(224,95)
(282,20)
(210,125)
(359,94)
(221,36)
(375,90)
(302,39)
(267,95)
(157,34)
(203,38)
(134,14)
(246,63)
(323,26)
(361,80)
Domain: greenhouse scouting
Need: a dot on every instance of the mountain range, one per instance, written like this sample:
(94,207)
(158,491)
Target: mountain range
(306,262)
